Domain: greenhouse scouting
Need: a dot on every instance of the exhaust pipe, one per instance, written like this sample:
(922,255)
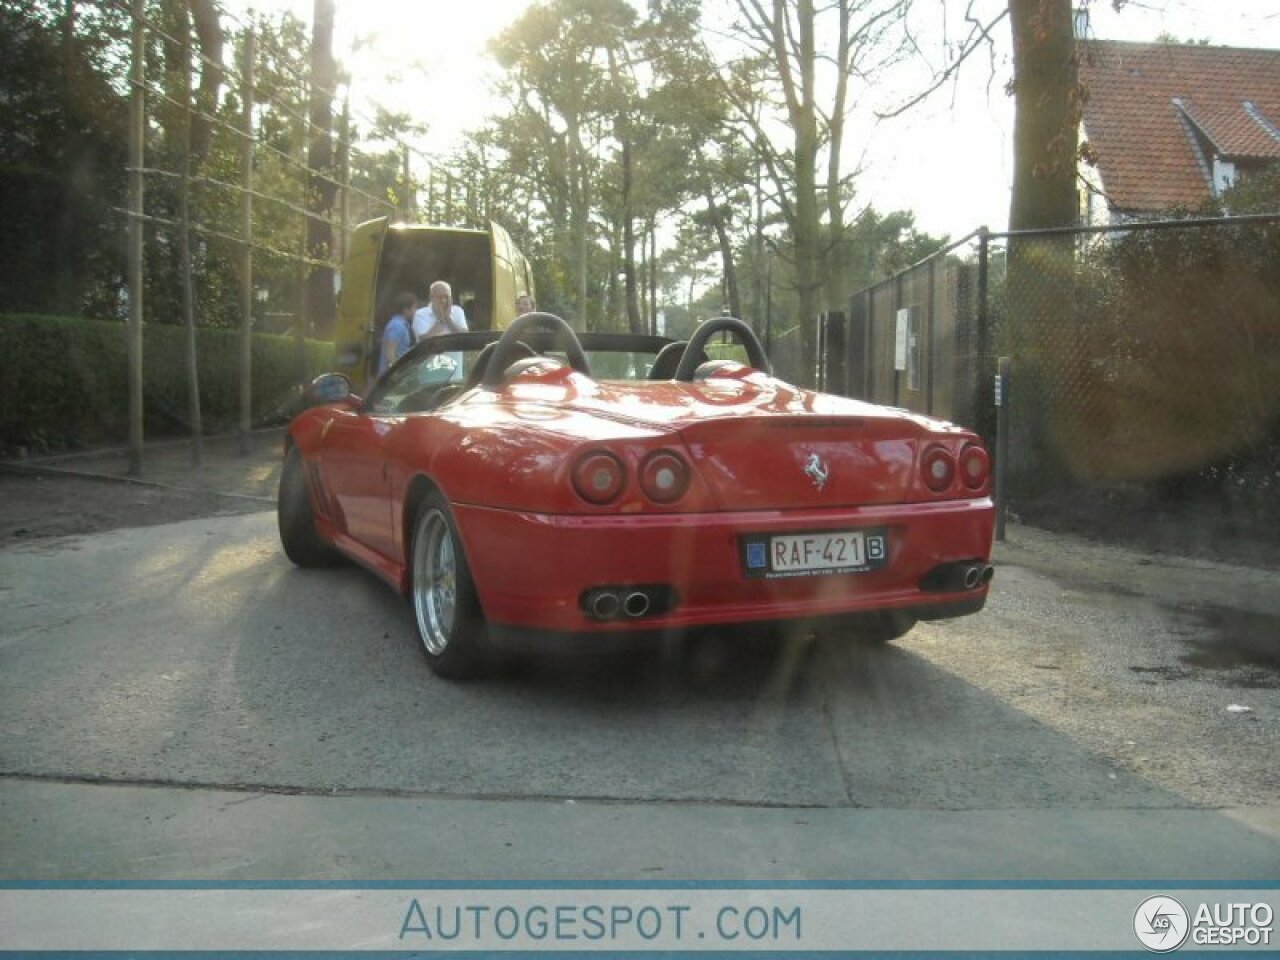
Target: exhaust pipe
(633,601)
(604,605)
(957,577)
(636,604)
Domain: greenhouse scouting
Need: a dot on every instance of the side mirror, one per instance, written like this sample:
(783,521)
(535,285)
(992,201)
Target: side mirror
(331,388)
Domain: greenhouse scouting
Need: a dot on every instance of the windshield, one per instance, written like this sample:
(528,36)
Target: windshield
(422,381)
(428,377)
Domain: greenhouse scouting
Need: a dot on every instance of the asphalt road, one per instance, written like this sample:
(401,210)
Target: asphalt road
(180,702)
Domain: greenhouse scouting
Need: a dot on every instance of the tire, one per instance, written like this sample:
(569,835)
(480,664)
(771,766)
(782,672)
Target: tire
(446,611)
(302,544)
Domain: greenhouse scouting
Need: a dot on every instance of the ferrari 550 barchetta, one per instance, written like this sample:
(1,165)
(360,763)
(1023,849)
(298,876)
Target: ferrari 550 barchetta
(521,486)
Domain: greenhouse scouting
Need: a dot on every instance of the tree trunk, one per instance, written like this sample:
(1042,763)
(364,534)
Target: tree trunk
(635,322)
(184,253)
(807,247)
(1047,117)
(1040,278)
(652,230)
(733,298)
(320,313)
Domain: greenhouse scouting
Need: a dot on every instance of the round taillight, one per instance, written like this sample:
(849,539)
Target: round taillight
(664,476)
(599,477)
(939,469)
(975,466)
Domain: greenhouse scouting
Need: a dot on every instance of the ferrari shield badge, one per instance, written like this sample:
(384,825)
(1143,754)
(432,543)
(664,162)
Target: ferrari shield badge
(817,471)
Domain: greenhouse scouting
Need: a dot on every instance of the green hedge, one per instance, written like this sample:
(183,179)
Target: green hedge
(64,380)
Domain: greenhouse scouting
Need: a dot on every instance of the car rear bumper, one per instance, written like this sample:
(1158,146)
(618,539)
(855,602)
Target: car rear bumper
(534,571)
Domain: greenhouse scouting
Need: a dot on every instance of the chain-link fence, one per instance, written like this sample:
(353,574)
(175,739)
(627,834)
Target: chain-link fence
(1144,395)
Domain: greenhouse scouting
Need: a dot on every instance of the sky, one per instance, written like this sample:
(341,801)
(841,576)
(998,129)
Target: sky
(948,160)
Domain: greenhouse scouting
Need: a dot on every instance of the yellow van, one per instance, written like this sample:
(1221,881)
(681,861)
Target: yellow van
(483,267)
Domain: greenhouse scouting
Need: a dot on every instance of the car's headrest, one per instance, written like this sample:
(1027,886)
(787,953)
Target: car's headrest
(668,359)
(476,374)
(531,363)
(713,367)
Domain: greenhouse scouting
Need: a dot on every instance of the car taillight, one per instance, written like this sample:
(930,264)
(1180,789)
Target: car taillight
(599,476)
(939,469)
(975,466)
(664,476)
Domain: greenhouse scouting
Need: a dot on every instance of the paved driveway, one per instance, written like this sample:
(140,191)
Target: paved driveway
(171,696)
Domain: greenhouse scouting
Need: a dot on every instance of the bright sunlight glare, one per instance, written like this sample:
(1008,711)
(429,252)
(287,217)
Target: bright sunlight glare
(947,160)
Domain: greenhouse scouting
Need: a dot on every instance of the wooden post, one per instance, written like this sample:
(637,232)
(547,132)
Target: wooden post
(246,234)
(184,246)
(137,131)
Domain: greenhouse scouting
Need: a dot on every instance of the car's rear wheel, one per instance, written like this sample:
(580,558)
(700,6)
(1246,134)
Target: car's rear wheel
(446,610)
(297,524)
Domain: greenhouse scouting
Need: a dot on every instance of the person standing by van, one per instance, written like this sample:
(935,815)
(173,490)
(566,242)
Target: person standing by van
(440,315)
(525,304)
(397,338)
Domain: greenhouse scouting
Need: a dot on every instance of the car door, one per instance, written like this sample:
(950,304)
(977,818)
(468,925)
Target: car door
(354,469)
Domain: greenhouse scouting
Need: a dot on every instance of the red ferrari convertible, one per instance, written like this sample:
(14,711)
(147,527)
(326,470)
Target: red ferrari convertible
(521,486)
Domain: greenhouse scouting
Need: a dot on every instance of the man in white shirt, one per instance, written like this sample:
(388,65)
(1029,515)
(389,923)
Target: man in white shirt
(440,315)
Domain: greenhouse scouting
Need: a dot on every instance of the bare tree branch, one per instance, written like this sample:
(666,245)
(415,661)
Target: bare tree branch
(976,39)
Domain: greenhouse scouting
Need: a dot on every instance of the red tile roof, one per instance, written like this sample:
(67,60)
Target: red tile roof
(1145,100)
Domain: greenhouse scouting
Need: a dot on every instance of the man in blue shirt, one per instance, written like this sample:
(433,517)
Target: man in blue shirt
(397,337)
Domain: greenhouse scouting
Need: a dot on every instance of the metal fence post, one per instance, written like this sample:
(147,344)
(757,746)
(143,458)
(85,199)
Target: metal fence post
(1002,441)
(836,379)
(982,335)
(930,341)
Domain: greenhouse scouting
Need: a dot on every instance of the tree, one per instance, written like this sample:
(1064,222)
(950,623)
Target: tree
(788,65)
(62,157)
(561,88)
(676,126)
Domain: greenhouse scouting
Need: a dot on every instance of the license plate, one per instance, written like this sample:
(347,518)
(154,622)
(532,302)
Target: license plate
(812,554)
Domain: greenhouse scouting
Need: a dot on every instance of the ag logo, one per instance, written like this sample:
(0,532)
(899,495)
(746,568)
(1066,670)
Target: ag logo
(1161,924)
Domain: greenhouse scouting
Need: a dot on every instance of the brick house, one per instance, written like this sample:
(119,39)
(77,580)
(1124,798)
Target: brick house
(1171,125)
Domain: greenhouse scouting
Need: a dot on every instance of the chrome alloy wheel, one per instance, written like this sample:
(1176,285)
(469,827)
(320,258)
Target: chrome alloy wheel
(435,581)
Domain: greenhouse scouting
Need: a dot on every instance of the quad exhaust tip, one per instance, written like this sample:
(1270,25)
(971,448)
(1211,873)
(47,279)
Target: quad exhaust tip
(605,605)
(636,604)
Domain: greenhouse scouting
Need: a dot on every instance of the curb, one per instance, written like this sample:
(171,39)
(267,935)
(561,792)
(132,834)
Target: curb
(13,467)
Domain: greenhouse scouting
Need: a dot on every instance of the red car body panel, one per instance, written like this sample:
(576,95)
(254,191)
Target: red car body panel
(535,547)
(538,566)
